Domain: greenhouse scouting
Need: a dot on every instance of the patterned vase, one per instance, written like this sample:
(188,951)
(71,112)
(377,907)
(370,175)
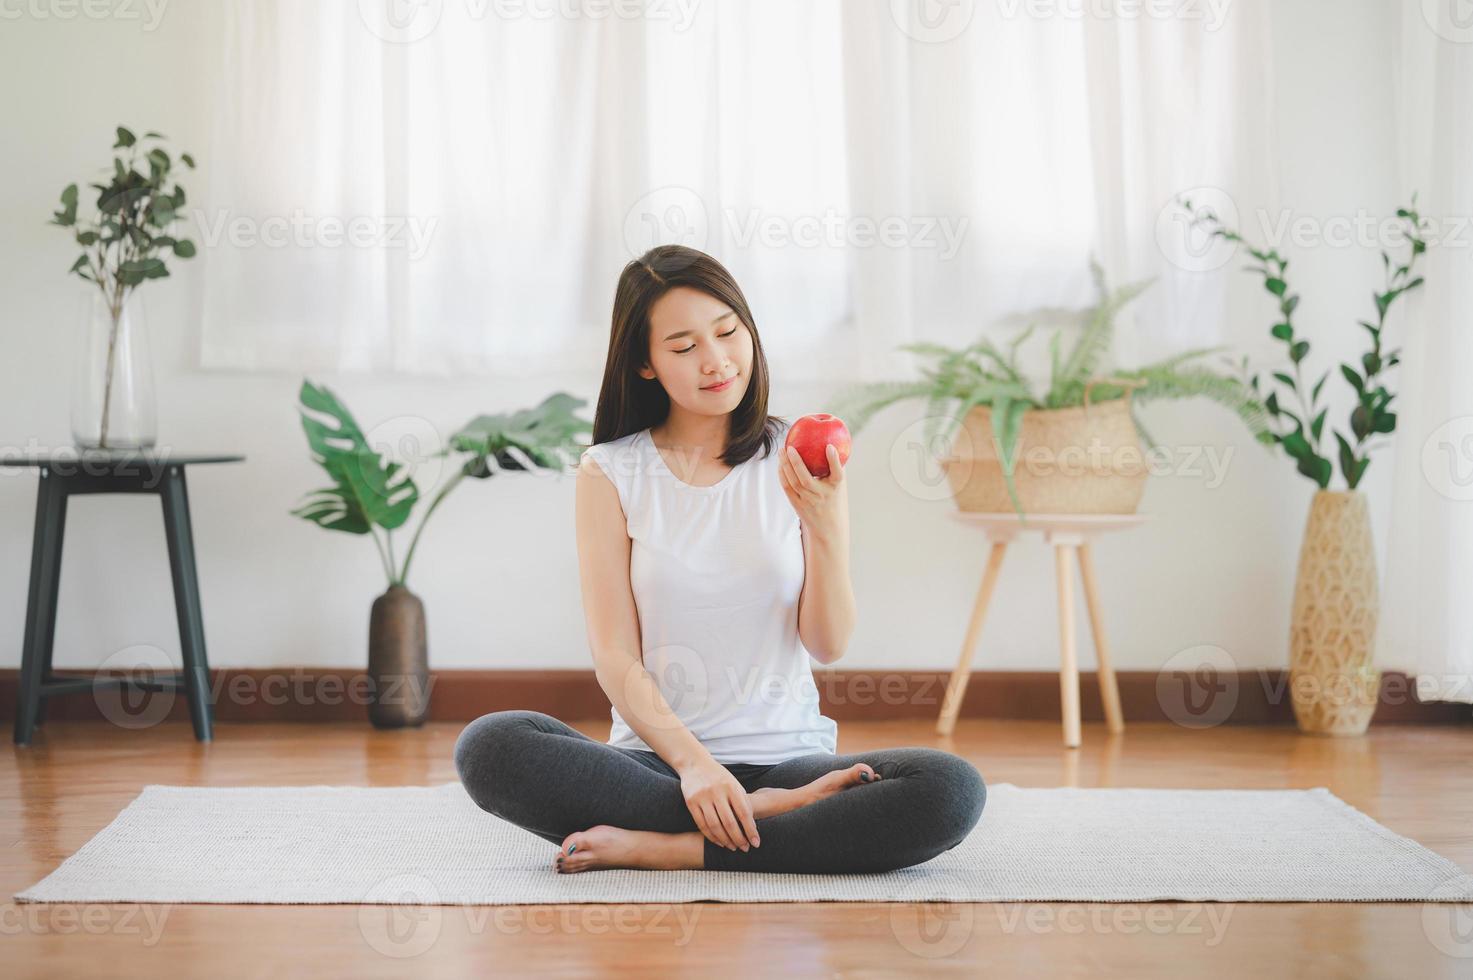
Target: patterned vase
(1333,680)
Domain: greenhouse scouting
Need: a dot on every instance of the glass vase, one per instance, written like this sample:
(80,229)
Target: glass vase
(113,403)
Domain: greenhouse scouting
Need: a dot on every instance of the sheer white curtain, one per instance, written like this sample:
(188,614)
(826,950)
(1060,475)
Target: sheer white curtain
(453,186)
(1427,606)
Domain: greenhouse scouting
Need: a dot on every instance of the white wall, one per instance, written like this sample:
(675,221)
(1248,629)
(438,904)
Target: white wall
(497,568)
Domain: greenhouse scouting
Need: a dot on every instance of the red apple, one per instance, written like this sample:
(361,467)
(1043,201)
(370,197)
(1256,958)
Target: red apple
(812,433)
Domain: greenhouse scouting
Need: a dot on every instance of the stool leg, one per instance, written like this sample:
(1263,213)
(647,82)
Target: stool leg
(956,688)
(41,605)
(1069,660)
(1109,690)
(180,536)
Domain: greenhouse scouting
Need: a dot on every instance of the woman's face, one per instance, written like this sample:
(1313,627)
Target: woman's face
(697,341)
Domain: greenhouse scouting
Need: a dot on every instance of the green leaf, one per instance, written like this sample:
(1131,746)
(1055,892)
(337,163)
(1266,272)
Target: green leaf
(1286,379)
(187,159)
(184,248)
(1360,422)
(1317,425)
(125,138)
(1317,468)
(1275,286)
(545,435)
(1353,378)
(1314,395)
(1298,351)
(1282,331)
(1296,445)
(1347,461)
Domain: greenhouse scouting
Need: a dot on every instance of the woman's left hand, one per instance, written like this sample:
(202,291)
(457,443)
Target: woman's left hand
(822,504)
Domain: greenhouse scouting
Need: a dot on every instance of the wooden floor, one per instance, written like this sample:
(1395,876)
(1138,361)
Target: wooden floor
(77,776)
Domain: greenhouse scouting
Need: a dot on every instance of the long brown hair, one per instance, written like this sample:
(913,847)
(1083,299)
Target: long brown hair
(627,402)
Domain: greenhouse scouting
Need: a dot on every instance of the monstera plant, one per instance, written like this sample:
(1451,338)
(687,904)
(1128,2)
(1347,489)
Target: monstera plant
(374,494)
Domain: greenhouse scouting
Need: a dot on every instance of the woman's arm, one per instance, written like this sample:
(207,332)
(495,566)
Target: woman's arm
(826,607)
(718,803)
(613,622)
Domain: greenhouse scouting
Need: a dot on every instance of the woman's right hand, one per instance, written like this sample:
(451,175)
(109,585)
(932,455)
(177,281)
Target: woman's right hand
(719,805)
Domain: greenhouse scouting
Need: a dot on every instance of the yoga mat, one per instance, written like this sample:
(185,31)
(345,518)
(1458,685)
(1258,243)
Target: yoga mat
(431,845)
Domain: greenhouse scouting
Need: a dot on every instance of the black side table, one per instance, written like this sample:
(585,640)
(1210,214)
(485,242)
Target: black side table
(70,471)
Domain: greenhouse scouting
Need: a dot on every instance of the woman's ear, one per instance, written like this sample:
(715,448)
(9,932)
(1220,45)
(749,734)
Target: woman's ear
(646,372)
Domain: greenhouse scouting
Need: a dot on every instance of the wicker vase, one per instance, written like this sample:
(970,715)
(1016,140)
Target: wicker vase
(1333,681)
(1085,460)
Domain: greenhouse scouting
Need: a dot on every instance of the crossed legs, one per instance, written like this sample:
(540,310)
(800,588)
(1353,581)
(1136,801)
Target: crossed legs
(611,807)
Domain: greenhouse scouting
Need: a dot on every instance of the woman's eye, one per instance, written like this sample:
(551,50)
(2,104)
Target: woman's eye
(692,347)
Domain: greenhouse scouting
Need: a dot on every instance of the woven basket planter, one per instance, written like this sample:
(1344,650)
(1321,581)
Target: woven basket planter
(1084,460)
(1333,681)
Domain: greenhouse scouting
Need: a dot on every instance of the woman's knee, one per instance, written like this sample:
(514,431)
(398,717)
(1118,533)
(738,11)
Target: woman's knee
(484,747)
(957,794)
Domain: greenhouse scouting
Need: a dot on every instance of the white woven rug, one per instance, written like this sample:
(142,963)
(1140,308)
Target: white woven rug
(431,845)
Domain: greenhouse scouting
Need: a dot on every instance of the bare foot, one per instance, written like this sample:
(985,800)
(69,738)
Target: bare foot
(613,847)
(770,801)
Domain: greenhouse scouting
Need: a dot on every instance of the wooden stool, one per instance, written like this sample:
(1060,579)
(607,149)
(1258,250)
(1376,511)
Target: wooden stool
(1070,535)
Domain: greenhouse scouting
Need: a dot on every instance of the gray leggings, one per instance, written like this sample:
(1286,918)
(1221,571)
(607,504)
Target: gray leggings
(546,777)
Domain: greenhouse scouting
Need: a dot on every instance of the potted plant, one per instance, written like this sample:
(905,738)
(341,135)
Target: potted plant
(1334,683)
(1078,440)
(372,494)
(124,245)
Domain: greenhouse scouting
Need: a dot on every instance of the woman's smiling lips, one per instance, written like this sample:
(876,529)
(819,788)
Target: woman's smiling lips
(723,386)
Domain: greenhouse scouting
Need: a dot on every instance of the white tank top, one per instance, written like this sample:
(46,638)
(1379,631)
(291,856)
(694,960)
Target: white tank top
(716,573)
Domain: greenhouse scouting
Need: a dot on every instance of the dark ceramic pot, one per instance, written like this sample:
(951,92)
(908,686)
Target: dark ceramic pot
(398,660)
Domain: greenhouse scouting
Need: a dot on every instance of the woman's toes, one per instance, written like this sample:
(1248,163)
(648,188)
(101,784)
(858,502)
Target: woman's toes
(569,855)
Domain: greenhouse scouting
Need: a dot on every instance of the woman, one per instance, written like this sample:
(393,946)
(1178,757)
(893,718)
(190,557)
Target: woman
(713,566)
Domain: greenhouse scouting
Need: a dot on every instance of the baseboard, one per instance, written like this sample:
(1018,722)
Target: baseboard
(293,694)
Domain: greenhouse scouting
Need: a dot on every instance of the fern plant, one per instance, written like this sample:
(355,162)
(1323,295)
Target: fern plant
(960,379)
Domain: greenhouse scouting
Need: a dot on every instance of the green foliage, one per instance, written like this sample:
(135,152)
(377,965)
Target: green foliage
(960,379)
(124,243)
(370,492)
(1297,418)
